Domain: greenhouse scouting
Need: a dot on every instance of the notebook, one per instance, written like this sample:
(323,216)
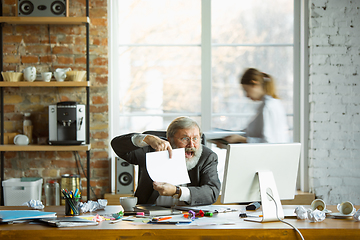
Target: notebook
(68,222)
(156,210)
(16,215)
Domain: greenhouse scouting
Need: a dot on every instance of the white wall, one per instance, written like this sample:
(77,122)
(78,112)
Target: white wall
(334,81)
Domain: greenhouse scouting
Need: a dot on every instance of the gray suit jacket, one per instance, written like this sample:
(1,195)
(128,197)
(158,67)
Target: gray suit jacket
(204,187)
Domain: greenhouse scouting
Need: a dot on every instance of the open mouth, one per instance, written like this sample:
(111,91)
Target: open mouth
(189,153)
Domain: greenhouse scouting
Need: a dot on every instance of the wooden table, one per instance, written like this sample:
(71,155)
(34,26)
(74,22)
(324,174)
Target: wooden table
(330,228)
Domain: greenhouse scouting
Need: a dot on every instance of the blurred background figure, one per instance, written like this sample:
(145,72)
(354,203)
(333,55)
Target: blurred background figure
(269,124)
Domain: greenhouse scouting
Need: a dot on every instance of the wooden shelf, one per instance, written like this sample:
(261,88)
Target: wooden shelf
(45,84)
(45,20)
(43,148)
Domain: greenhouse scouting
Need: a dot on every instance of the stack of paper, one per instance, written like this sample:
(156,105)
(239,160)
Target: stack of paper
(68,222)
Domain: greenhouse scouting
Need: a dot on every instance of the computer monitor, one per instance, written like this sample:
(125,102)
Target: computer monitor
(252,171)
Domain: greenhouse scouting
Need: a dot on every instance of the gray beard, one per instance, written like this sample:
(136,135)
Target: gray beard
(191,162)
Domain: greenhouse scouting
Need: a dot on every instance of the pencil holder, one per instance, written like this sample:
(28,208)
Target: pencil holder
(72,206)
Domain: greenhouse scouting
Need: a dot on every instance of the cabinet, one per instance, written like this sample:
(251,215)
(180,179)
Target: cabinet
(52,21)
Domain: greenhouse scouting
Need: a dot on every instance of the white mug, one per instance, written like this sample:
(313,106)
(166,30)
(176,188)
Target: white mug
(60,76)
(128,203)
(29,74)
(318,204)
(46,76)
(346,208)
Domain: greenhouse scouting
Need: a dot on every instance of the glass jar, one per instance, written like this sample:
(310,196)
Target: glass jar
(52,193)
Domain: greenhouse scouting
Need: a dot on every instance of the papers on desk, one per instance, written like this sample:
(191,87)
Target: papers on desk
(156,210)
(68,222)
(172,170)
(15,215)
(207,208)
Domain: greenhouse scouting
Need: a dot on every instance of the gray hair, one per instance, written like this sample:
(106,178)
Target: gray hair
(180,123)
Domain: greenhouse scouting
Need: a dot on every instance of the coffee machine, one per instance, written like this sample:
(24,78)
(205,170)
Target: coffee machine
(67,124)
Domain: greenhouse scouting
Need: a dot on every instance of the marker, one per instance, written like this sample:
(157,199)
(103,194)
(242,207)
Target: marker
(115,221)
(169,222)
(163,219)
(254,215)
(76,192)
(134,213)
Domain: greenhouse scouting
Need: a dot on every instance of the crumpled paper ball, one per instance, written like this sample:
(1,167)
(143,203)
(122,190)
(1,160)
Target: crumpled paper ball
(91,206)
(36,204)
(316,215)
(357,215)
(301,213)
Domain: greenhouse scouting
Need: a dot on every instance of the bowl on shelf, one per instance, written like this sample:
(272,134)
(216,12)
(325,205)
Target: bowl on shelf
(75,76)
(12,76)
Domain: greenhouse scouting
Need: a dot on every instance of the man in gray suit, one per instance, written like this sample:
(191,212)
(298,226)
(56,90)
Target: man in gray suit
(201,162)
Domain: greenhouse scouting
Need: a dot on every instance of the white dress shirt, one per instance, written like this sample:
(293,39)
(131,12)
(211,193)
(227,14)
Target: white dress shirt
(138,140)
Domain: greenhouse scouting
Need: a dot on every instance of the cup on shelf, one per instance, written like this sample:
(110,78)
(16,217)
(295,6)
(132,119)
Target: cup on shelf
(29,74)
(60,76)
(46,76)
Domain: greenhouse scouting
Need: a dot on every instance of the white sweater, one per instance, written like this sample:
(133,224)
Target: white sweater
(270,123)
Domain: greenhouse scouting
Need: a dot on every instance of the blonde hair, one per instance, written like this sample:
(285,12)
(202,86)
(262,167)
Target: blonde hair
(252,76)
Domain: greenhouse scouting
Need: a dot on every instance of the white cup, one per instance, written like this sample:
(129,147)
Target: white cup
(46,76)
(21,140)
(346,208)
(318,204)
(29,74)
(128,203)
(60,76)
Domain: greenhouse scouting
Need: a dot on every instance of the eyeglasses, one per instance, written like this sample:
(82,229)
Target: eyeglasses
(188,139)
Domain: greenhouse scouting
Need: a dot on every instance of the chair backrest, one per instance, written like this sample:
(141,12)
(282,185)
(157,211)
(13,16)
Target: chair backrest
(162,134)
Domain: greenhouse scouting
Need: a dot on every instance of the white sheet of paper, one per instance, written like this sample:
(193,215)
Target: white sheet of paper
(172,170)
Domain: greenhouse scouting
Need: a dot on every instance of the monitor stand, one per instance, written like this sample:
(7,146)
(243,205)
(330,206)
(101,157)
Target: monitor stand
(268,186)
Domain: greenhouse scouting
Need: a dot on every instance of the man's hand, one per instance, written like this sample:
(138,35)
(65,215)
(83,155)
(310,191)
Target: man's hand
(164,189)
(158,144)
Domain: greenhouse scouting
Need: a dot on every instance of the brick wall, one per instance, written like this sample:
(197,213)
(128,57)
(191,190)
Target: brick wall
(47,48)
(334,47)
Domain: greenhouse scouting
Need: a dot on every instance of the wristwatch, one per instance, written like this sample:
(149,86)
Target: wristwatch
(177,193)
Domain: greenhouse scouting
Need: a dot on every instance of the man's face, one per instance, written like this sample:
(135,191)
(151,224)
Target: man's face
(189,139)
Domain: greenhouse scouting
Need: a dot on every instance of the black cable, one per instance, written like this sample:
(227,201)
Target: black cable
(276,206)
(78,161)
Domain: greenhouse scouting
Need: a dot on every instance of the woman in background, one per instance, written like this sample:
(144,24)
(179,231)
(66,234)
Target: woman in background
(269,124)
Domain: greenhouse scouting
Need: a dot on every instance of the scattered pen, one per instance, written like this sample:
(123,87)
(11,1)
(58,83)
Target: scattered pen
(115,221)
(134,213)
(161,219)
(168,222)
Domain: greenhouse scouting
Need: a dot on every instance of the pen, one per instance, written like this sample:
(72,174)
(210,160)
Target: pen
(254,215)
(134,213)
(161,219)
(76,191)
(169,222)
(115,221)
